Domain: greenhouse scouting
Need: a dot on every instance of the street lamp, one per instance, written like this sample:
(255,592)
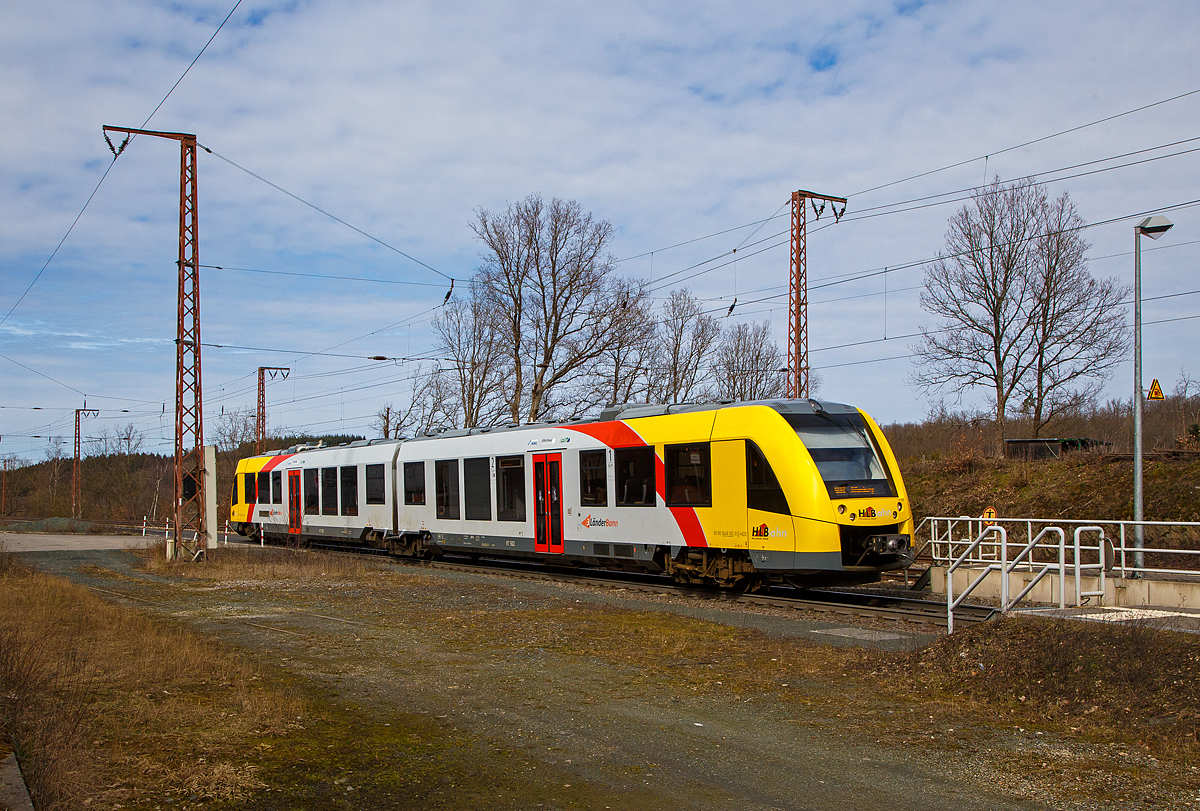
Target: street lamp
(1153,227)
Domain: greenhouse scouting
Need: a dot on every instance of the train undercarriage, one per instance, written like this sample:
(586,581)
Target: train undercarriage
(709,567)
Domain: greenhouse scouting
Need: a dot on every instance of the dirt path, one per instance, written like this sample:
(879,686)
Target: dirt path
(511,675)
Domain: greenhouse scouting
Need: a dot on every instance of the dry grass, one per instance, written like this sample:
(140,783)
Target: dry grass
(271,563)
(1078,486)
(1129,683)
(106,704)
(150,728)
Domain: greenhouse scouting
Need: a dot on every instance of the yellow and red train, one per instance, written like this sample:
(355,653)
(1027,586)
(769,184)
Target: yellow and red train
(731,494)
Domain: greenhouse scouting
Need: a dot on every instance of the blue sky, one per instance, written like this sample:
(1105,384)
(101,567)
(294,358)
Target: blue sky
(672,122)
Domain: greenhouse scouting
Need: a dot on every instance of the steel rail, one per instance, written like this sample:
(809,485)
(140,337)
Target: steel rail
(827,600)
(838,601)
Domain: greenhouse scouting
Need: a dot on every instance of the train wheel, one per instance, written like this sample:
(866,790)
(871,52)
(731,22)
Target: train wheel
(750,584)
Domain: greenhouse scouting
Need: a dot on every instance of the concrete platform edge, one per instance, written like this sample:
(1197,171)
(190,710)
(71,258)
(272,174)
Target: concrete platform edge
(13,794)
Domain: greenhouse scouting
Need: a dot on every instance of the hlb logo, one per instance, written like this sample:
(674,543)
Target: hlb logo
(763,531)
(867,512)
(597,522)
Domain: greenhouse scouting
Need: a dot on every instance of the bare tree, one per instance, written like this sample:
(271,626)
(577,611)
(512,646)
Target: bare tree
(387,421)
(979,289)
(748,364)
(510,237)
(129,440)
(467,332)
(1020,312)
(686,335)
(233,429)
(628,365)
(56,455)
(558,305)
(432,405)
(1079,330)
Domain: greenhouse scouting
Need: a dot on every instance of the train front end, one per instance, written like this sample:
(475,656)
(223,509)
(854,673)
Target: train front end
(847,500)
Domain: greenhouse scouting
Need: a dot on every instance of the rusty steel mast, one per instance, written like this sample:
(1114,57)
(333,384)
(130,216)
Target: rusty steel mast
(798,369)
(190,483)
(260,420)
(75,476)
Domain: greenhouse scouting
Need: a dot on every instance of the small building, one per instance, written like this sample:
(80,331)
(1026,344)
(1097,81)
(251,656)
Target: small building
(1045,448)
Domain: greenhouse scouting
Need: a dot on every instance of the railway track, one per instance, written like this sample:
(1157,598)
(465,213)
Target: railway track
(836,601)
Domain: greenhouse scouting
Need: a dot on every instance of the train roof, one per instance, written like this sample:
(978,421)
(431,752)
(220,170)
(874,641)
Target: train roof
(619,411)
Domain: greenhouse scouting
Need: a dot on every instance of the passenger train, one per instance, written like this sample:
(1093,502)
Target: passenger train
(736,495)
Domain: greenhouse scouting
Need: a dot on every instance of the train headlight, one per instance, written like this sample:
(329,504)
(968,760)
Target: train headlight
(841,509)
(851,516)
(899,506)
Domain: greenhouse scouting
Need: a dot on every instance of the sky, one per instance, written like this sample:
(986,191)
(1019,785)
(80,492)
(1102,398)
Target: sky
(684,125)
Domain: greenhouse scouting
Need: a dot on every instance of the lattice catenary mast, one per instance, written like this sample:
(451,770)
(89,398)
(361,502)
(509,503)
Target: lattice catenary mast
(260,420)
(75,477)
(798,369)
(190,519)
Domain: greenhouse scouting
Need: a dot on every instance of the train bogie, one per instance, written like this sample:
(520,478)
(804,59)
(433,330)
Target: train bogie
(731,494)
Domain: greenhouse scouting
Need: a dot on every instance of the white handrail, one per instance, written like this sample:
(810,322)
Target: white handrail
(1062,569)
(1080,566)
(944,548)
(951,603)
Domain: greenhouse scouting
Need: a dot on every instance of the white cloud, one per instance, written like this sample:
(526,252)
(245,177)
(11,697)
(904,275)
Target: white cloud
(672,123)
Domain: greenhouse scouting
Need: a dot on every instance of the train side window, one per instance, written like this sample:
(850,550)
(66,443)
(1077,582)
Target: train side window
(510,488)
(350,490)
(635,476)
(689,475)
(249,490)
(329,502)
(276,486)
(762,488)
(414,483)
(264,487)
(445,481)
(477,488)
(376,492)
(312,491)
(593,479)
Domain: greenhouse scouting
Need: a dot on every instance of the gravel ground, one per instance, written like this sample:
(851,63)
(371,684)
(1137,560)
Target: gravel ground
(418,641)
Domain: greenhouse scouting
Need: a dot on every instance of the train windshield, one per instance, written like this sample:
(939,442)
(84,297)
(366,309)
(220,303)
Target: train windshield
(846,456)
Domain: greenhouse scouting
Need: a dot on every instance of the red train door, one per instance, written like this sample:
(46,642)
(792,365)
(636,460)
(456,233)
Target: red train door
(547,493)
(293,502)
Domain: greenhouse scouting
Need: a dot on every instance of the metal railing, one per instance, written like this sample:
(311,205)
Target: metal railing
(146,528)
(1098,549)
(1170,548)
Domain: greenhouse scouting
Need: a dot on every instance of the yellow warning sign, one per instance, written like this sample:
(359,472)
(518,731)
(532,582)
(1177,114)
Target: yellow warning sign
(1155,391)
(989,513)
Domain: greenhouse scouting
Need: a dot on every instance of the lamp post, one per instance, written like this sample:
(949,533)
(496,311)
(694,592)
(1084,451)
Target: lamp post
(1153,227)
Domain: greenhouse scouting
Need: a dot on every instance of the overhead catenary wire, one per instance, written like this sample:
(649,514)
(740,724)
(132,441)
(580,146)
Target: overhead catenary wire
(1039,140)
(921,262)
(307,353)
(108,169)
(320,210)
(330,276)
(840,346)
(918,287)
(995,152)
(879,212)
(942,169)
